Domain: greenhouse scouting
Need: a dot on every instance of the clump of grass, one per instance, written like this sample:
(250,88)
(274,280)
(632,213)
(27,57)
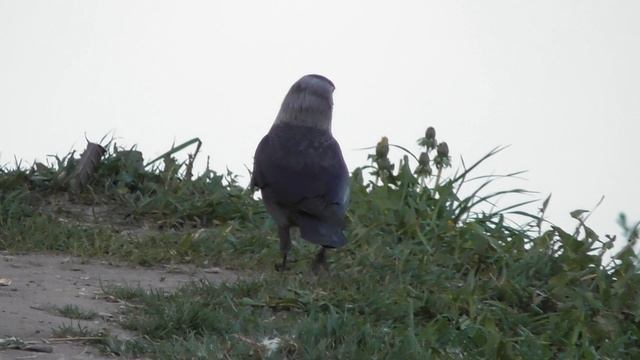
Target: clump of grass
(73,311)
(428,273)
(122,293)
(39,212)
(101,339)
(77,330)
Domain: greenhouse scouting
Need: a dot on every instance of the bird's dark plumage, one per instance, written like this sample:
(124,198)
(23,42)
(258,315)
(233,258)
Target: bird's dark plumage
(299,168)
(303,178)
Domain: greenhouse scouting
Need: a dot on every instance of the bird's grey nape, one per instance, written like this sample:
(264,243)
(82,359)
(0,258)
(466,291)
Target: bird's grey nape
(309,102)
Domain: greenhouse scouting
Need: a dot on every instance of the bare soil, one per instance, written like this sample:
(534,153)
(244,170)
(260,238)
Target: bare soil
(33,285)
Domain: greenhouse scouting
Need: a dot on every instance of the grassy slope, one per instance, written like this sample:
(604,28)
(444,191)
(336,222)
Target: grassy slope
(424,275)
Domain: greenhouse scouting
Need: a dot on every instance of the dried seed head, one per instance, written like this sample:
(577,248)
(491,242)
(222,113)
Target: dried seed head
(429,140)
(443,149)
(424,159)
(385,164)
(382,149)
(423,168)
(430,134)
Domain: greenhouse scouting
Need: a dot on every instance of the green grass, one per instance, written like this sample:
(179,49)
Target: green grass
(72,311)
(101,339)
(428,272)
(76,330)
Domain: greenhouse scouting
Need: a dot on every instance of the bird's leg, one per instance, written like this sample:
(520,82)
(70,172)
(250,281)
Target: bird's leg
(285,246)
(320,261)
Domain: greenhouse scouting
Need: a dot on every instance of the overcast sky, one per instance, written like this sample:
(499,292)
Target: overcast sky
(556,80)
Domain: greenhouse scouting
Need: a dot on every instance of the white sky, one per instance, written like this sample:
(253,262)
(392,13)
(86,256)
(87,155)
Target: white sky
(557,80)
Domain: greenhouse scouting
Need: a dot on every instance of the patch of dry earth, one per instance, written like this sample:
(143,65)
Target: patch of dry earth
(40,282)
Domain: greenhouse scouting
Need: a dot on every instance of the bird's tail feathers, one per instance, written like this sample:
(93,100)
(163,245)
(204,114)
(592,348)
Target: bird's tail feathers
(321,233)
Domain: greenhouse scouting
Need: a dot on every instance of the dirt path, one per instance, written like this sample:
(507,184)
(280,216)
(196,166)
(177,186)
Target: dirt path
(39,283)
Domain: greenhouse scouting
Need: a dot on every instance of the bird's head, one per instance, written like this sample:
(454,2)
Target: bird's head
(309,102)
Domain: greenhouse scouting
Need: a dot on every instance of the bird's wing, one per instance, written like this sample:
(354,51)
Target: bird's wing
(303,169)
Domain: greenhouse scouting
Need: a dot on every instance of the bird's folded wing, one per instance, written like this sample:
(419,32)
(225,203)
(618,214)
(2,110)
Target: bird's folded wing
(309,174)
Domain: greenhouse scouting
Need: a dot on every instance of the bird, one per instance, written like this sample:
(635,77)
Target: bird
(300,170)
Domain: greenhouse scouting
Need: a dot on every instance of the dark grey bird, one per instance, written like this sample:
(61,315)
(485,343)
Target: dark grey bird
(299,168)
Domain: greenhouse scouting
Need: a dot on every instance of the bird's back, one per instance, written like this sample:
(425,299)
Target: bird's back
(301,172)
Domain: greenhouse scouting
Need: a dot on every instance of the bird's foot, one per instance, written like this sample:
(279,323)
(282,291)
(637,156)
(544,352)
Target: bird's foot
(320,263)
(281,267)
